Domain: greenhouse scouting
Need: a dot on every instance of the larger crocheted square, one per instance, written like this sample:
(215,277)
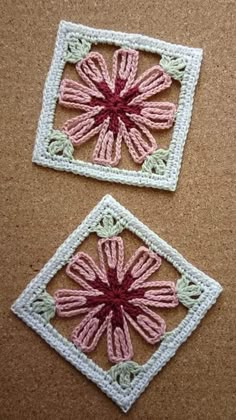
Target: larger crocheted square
(117,111)
(93,309)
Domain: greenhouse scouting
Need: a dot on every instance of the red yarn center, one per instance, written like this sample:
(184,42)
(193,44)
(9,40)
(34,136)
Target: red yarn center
(115,106)
(116,295)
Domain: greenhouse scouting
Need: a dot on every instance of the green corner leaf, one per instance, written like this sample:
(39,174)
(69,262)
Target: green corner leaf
(108,227)
(77,49)
(187,292)
(123,373)
(174,66)
(44,305)
(156,163)
(60,144)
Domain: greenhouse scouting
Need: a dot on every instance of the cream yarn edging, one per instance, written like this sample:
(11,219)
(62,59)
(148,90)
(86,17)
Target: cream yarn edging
(191,56)
(123,397)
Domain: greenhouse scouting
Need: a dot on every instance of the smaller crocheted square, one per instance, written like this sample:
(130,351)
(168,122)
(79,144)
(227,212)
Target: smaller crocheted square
(94,307)
(119,107)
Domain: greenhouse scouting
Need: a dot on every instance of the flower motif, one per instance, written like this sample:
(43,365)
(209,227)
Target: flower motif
(113,294)
(116,108)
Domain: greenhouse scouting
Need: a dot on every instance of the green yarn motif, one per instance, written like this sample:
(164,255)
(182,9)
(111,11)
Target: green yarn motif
(123,373)
(44,305)
(187,292)
(108,227)
(156,163)
(77,49)
(174,66)
(60,144)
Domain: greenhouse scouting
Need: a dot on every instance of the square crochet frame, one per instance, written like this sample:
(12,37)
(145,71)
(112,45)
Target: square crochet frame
(171,342)
(168,180)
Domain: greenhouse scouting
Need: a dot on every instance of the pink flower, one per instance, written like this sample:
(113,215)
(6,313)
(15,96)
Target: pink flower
(112,295)
(116,108)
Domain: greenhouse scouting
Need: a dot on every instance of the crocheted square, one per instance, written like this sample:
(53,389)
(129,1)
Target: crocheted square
(116,110)
(116,296)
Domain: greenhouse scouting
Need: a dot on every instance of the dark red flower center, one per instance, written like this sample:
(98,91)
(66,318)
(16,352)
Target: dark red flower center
(116,295)
(115,106)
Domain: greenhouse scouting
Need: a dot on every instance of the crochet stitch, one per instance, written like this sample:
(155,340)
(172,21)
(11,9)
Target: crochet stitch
(76,49)
(113,294)
(156,163)
(117,108)
(44,305)
(124,373)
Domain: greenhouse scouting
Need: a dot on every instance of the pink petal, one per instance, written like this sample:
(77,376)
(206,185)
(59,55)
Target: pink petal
(87,334)
(108,147)
(151,82)
(141,266)
(119,346)
(124,69)
(82,128)
(85,272)
(74,95)
(160,294)
(149,325)
(111,256)
(156,115)
(93,71)
(139,141)
(72,302)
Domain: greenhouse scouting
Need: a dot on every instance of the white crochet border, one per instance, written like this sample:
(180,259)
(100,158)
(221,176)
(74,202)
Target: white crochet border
(168,181)
(169,345)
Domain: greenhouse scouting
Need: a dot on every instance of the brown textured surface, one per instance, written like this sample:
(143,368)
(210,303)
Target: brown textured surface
(40,207)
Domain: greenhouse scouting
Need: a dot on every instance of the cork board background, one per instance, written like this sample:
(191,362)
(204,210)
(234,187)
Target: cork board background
(40,207)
